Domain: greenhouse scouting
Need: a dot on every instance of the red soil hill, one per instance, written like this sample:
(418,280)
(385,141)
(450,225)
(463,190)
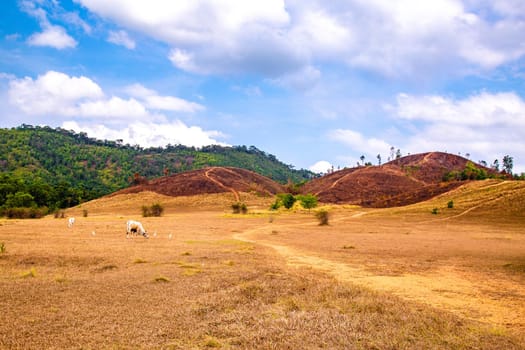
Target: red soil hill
(209,180)
(406,180)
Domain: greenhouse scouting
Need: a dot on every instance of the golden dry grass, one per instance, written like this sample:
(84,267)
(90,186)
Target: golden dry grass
(233,281)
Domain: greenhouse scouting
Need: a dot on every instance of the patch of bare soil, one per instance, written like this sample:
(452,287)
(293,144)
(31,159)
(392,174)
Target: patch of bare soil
(403,181)
(207,181)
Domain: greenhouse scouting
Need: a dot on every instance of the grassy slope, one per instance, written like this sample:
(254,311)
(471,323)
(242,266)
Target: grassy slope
(488,201)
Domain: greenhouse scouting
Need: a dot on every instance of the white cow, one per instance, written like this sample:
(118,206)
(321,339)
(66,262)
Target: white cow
(70,222)
(135,228)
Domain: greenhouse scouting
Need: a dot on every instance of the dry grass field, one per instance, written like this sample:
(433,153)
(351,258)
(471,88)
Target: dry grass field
(399,278)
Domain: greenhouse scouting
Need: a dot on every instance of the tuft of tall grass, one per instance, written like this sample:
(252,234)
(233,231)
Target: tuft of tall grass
(161,279)
(29,273)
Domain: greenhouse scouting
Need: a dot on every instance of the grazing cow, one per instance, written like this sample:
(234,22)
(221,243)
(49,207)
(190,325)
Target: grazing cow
(70,222)
(135,228)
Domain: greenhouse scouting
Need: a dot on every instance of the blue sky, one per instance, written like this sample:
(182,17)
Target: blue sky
(316,83)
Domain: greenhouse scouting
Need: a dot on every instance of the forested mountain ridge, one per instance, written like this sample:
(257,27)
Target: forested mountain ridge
(58,168)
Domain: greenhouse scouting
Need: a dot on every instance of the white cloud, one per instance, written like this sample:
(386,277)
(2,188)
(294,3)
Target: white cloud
(53,36)
(321,167)
(115,107)
(357,142)
(122,38)
(151,134)
(400,38)
(56,93)
(483,109)
(486,125)
(51,93)
(166,103)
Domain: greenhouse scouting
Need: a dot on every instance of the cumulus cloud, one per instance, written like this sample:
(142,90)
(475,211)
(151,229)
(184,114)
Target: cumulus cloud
(166,103)
(59,94)
(52,93)
(321,167)
(122,38)
(135,119)
(486,125)
(151,134)
(359,143)
(277,38)
(53,36)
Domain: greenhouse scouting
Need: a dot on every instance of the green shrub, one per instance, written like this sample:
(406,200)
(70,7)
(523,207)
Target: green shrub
(323,216)
(435,211)
(276,205)
(308,201)
(288,200)
(450,204)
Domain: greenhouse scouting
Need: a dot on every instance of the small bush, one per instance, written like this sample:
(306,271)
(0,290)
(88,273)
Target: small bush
(85,213)
(308,201)
(450,204)
(239,207)
(154,210)
(60,214)
(2,247)
(157,209)
(322,216)
(25,213)
(435,211)
(288,200)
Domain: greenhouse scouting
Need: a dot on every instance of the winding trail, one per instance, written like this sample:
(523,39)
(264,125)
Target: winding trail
(444,288)
(229,189)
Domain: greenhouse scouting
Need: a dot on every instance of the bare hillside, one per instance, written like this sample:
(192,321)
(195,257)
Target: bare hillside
(406,180)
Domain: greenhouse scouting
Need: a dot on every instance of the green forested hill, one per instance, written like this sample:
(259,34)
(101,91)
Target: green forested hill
(57,168)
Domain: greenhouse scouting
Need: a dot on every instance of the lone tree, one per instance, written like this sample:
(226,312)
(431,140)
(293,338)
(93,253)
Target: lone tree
(362,159)
(379,159)
(508,164)
(495,165)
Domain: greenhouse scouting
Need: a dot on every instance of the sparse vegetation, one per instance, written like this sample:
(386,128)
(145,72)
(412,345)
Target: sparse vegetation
(154,210)
(2,248)
(450,204)
(29,273)
(161,279)
(435,211)
(59,214)
(322,216)
(23,213)
(239,208)
(301,288)
(287,200)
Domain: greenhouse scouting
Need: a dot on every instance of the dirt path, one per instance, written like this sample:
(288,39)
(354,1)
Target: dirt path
(446,288)
(235,193)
